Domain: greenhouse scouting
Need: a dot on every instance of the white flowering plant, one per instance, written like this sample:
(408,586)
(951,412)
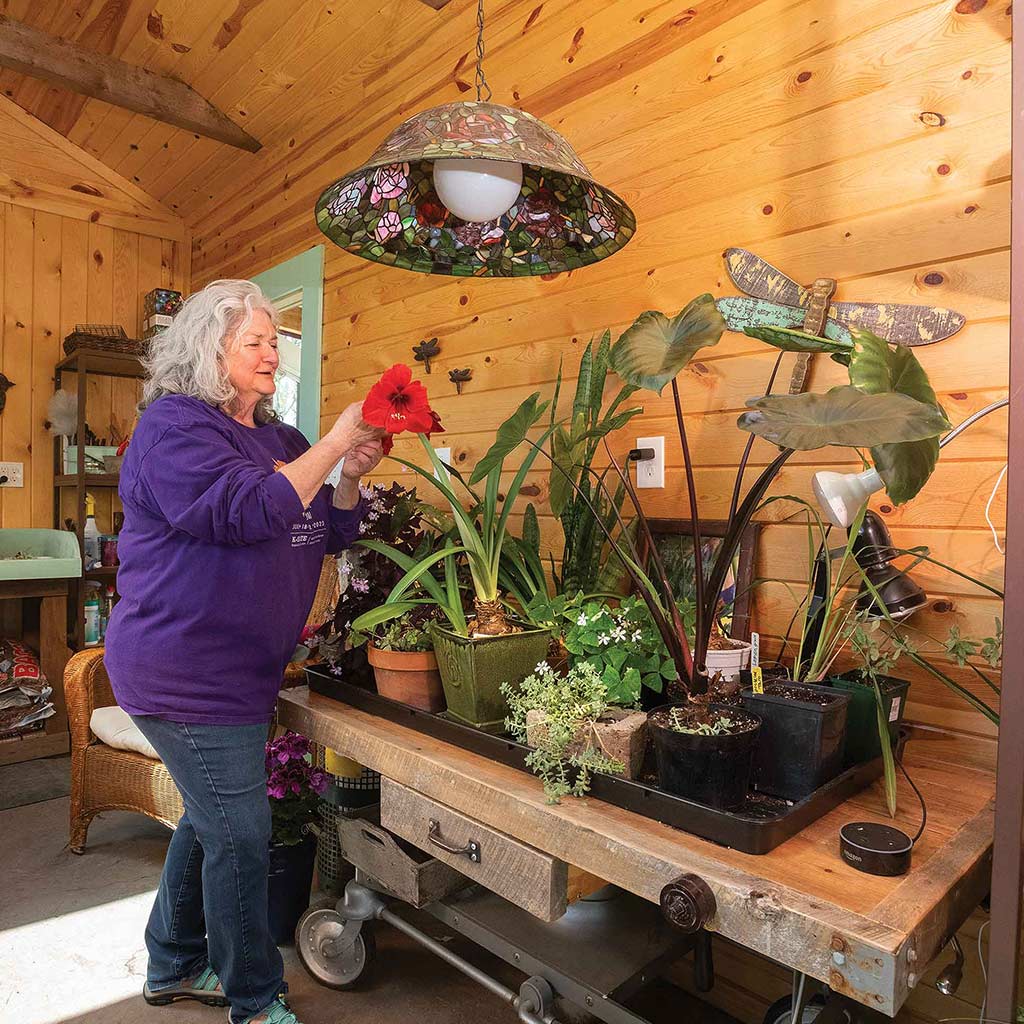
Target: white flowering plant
(623,646)
(556,714)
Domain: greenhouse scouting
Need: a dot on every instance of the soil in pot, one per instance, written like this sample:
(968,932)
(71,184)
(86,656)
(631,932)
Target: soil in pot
(619,733)
(288,886)
(862,718)
(711,769)
(803,735)
(410,677)
(474,669)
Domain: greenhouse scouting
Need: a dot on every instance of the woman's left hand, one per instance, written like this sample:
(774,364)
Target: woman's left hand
(362,459)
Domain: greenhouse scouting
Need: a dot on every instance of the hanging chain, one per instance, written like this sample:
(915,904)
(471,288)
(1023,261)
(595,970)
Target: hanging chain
(481,81)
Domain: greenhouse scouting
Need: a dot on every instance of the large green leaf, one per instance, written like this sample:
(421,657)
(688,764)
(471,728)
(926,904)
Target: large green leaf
(600,374)
(581,400)
(844,416)
(510,435)
(876,367)
(796,341)
(655,348)
(564,456)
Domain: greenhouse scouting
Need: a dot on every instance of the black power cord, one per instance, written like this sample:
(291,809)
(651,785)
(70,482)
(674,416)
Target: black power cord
(924,806)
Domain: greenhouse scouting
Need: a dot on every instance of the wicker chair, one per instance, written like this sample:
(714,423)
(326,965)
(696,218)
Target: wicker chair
(106,779)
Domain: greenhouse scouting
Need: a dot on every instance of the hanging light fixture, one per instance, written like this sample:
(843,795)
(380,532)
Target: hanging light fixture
(475,189)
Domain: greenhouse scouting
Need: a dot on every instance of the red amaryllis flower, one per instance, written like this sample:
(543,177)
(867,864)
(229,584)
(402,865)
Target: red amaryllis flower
(388,440)
(397,402)
(431,212)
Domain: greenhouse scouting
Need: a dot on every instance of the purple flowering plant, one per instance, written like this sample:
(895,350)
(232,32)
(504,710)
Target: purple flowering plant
(294,786)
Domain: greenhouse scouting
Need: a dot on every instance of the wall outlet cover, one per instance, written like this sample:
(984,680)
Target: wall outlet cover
(651,473)
(15,473)
(445,455)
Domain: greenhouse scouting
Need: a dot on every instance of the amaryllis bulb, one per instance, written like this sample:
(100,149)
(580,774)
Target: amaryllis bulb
(477,190)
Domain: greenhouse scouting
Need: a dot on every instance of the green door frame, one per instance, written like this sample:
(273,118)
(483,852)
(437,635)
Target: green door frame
(304,273)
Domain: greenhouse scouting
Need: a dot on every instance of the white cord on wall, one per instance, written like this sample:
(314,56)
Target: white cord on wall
(988,507)
(981,959)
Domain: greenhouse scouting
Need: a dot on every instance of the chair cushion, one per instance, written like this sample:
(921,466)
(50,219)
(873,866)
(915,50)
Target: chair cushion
(114,727)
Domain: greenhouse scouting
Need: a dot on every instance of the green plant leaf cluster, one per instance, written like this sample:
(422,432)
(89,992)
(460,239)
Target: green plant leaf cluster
(408,633)
(565,754)
(623,646)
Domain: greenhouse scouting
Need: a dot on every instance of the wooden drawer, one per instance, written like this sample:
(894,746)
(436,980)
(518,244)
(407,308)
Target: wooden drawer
(382,863)
(533,880)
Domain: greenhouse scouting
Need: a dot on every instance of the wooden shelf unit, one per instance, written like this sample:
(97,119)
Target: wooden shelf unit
(80,364)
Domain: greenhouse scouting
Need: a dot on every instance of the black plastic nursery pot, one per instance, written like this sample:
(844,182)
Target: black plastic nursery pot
(288,887)
(861,719)
(713,770)
(473,670)
(802,742)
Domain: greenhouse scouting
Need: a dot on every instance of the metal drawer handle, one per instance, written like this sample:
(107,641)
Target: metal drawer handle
(470,850)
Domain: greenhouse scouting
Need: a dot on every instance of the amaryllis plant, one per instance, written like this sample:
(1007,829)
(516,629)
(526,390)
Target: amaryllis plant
(294,786)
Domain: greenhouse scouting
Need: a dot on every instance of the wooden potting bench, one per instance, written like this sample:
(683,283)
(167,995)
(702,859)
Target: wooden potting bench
(868,938)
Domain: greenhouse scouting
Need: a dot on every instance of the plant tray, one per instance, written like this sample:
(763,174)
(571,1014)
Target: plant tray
(762,824)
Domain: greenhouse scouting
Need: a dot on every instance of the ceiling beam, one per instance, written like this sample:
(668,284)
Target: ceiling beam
(59,62)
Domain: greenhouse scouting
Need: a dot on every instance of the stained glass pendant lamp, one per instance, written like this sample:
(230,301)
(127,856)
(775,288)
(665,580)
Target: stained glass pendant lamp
(475,189)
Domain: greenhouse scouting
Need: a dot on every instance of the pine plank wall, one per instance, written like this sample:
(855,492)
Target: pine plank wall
(863,140)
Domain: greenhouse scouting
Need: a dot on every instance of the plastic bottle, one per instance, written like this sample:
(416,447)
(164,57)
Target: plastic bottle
(91,534)
(106,607)
(92,616)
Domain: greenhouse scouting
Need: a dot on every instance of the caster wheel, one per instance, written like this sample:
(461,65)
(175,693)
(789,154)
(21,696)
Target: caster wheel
(781,1011)
(337,952)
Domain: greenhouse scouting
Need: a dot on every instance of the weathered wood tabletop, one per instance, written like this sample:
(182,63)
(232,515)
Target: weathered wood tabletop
(800,905)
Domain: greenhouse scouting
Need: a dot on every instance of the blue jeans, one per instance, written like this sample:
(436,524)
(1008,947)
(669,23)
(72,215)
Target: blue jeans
(211,906)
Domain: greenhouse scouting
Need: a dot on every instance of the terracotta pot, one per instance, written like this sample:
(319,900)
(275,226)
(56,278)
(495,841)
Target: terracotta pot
(410,677)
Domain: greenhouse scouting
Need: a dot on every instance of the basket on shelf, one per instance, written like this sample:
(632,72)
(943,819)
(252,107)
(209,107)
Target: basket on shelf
(103,338)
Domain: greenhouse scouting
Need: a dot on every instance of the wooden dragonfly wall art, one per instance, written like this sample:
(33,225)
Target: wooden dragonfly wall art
(773,299)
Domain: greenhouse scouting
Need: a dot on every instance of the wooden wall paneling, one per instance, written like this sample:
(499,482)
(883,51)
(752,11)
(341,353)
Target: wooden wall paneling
(128,292)
(45,352)
(100,310)
(17,357)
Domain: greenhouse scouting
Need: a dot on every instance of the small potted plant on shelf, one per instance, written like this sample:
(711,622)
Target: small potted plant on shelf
(404,667)
(573,728)
(294,786)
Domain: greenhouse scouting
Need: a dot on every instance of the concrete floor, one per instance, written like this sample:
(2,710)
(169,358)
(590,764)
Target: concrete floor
(71,942)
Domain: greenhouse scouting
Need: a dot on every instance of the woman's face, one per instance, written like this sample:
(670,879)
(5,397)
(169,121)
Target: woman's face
(251,359)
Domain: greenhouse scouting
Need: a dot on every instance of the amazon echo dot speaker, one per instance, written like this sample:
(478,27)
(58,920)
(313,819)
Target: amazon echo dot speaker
(875,849)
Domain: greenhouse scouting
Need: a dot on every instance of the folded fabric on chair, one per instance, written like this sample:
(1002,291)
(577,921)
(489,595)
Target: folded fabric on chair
(113,726)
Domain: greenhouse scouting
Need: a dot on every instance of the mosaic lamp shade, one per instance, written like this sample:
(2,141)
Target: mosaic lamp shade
(388,210)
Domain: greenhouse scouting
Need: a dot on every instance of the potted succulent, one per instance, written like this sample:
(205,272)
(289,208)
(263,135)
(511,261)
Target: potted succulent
(476,655)
(404,667)
(573,728)
(705,760)
(294,786)
(887,407)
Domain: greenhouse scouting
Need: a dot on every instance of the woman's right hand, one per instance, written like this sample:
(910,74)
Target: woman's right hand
(350,429)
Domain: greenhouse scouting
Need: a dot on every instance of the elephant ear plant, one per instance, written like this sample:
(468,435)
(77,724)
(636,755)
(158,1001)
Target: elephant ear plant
(887,406)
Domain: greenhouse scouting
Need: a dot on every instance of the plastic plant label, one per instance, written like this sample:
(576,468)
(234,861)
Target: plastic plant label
(755,650)
(894,710)
(756,678)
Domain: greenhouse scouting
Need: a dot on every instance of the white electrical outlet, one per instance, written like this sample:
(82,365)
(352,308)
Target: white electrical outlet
(445,455)
(652,472)
(15,473)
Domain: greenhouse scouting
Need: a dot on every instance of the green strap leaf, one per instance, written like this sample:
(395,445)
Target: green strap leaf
(790,340)
(510,435)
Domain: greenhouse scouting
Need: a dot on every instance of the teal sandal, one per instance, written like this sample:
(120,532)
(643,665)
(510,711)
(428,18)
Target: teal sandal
(277,1013)
(205,988)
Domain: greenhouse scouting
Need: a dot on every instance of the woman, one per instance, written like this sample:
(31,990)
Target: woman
(227,522)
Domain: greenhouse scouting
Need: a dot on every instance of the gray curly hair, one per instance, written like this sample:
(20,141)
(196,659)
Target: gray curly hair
(188,358)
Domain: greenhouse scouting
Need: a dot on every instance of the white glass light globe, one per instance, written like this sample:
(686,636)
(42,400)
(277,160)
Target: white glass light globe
(477,190)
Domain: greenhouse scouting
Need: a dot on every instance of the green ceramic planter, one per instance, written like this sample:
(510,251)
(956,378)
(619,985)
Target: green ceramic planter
(473,671)
(862,725)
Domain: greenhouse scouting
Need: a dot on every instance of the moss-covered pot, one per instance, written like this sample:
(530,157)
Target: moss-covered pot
(474,669)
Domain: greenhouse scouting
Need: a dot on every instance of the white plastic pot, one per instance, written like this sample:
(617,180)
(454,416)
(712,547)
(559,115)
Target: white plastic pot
(729,662)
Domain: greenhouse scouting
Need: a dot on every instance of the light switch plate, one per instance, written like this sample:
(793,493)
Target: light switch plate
(15,473)
(334,477)
(652,472)
(445,455)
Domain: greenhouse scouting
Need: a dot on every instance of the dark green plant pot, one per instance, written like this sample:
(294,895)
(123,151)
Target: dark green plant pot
(861,722)
(473,671)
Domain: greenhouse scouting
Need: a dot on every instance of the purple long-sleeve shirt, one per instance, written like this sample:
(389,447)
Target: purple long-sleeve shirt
(219,565)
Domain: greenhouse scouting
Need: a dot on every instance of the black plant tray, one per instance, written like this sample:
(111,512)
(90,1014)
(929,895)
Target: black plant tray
(764,822)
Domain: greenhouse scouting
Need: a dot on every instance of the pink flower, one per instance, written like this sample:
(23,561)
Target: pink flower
(477,234)
(540,215)
(389,182)
(389,225)
(602,220)
(480,127)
